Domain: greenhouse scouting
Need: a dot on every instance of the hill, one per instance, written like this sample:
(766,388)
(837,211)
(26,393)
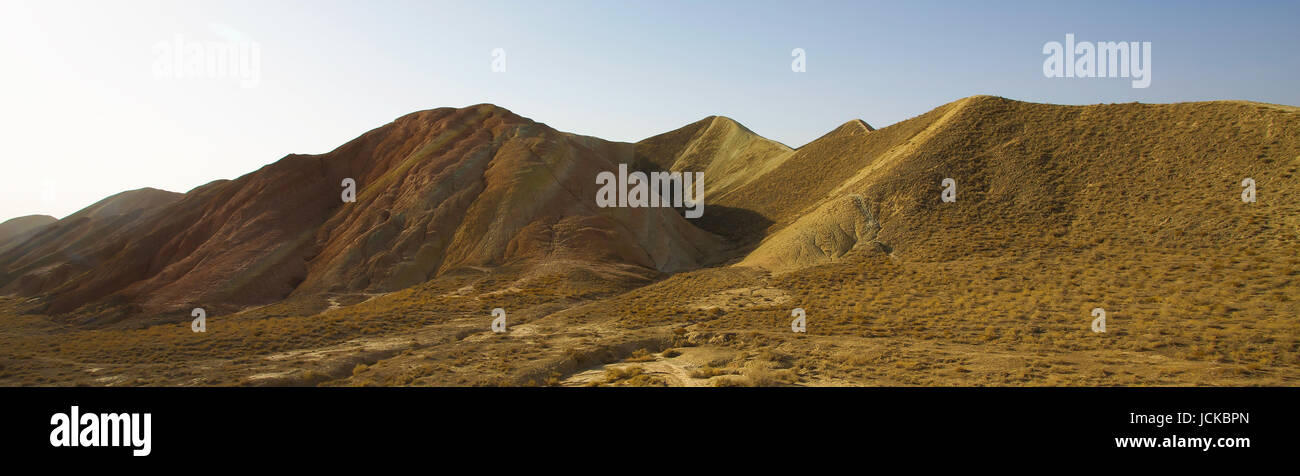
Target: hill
(438,191)
(77,255)
(1158,176)
(14,228)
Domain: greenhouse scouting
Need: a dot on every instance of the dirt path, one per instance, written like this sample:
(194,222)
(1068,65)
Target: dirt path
(673,371)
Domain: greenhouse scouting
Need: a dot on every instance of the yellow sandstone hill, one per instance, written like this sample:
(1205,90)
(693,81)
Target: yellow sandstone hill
(729,154)
(1165,176)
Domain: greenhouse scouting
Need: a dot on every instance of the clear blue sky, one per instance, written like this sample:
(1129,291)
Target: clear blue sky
(84,114)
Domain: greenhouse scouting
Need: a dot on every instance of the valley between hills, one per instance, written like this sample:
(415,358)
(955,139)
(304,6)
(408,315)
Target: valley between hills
(1132,208)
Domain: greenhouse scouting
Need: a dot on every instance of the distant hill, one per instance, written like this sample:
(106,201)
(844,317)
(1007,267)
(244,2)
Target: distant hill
(14,228)
(74,256)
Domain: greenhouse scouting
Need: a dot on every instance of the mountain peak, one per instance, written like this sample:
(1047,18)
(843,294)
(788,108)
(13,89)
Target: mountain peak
(22,225)
(862,123)
(127,202)
(852,127)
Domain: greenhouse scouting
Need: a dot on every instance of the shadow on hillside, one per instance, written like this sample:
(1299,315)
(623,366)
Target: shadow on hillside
(741,227)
